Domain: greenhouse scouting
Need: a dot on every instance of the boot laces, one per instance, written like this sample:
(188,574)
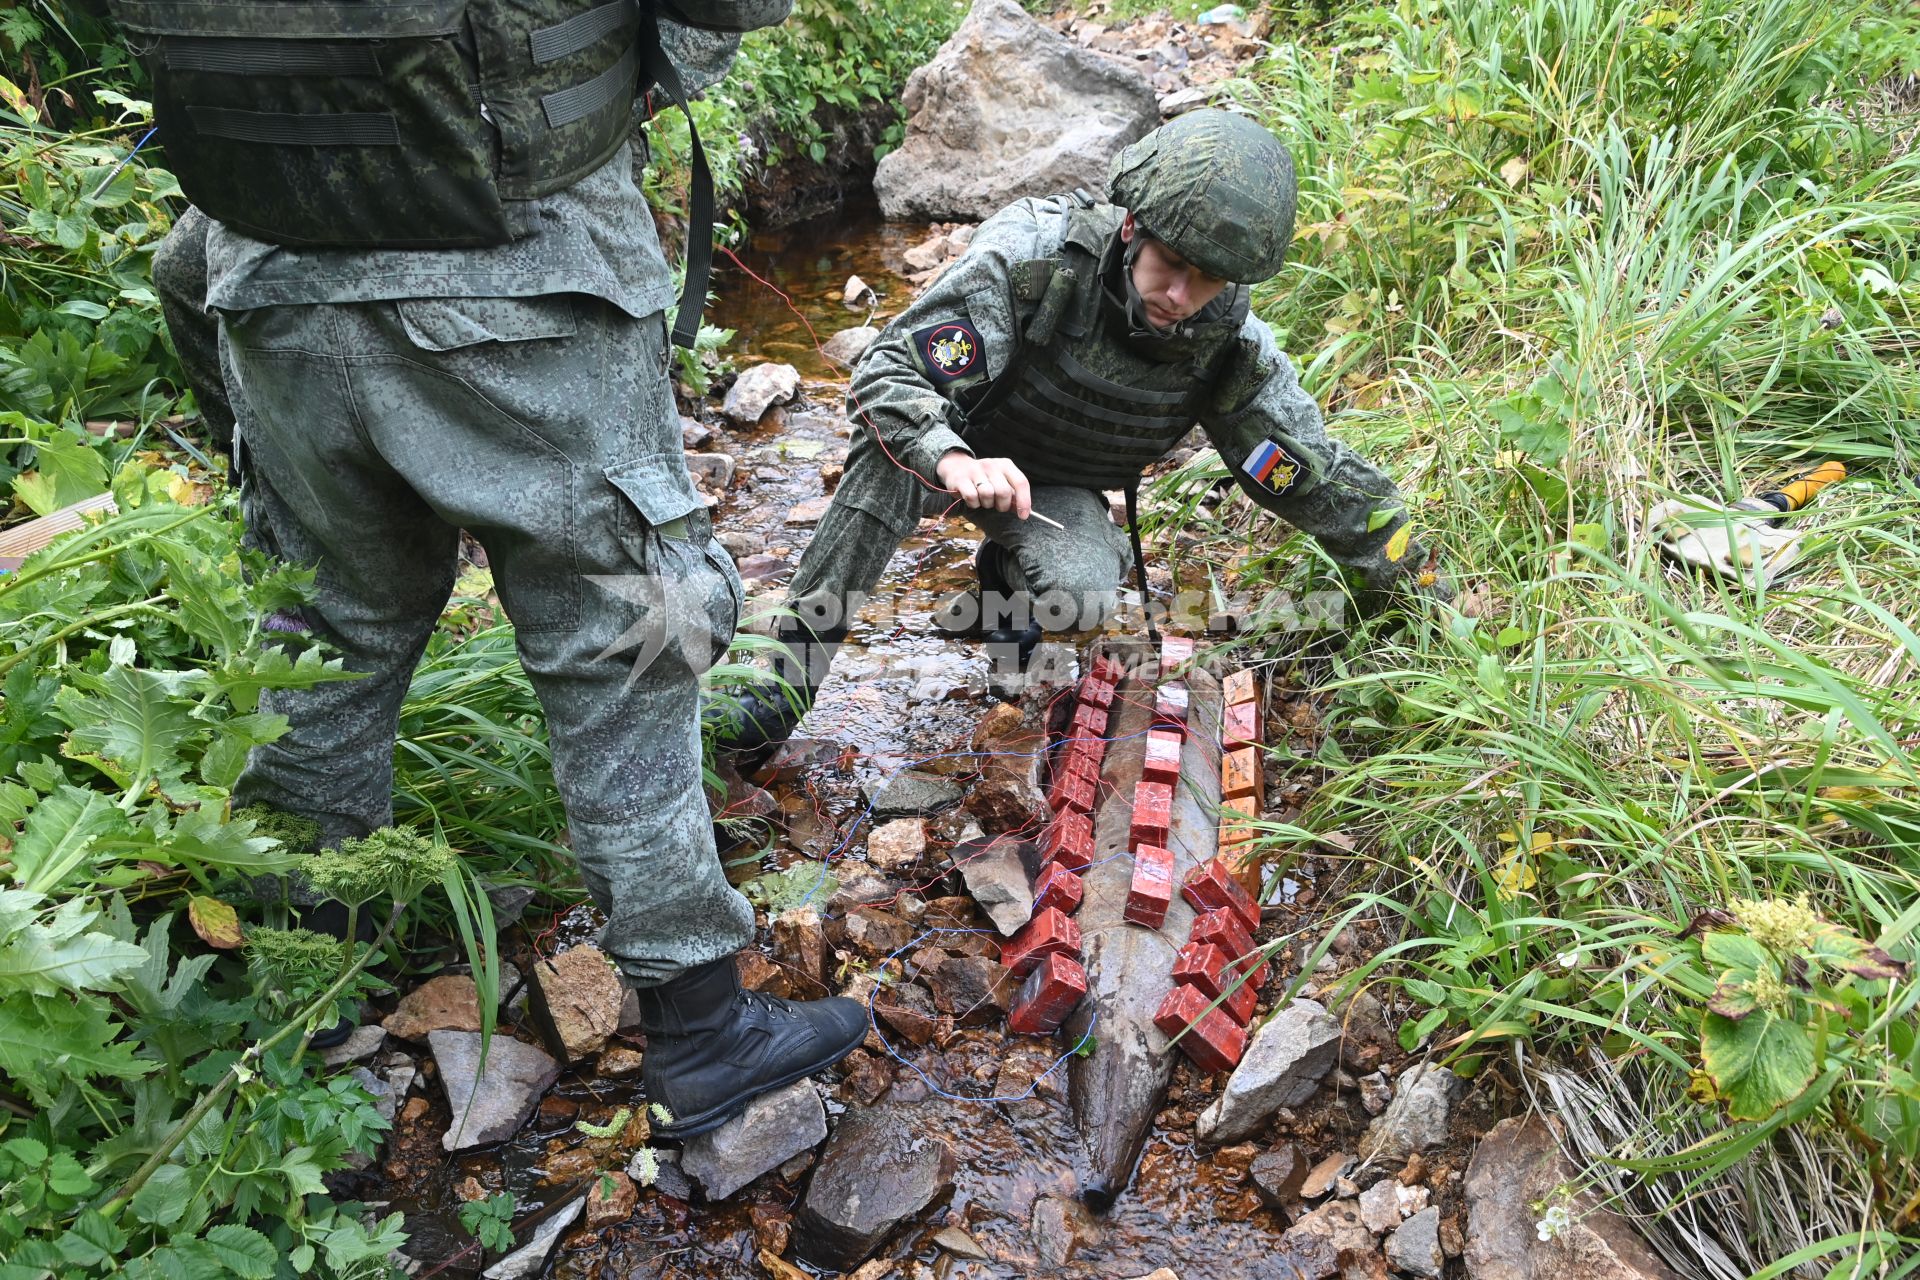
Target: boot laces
(777,1007)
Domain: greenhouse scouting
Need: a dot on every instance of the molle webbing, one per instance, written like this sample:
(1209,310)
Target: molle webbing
(1063,424)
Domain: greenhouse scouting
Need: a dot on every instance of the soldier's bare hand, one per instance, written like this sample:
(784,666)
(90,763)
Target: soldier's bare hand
(986,482)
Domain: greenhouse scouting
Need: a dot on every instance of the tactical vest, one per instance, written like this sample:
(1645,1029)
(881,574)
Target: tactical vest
(406,124)
(1075,404)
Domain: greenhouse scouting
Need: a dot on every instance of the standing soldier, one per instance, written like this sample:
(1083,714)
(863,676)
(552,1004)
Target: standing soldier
(1072,346)
(441,307)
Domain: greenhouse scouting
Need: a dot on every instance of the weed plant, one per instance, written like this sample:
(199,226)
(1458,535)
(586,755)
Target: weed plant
(1647,841)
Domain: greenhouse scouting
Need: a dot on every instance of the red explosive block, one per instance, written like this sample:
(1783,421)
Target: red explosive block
(1095,692)
(1151,892)
(1240,726)
(1170,705)
(1073,789)
(1049,933)
(1216,1041)
(1069,841)
(1088,722)
(1207,967)
(1107,671)
(1240,774)
(1222,929)
(1163,757)
(1175,653)
(1058,888)
(1047,996)
(1152,812)
(1084,754)
(1239,687)
(1212,886)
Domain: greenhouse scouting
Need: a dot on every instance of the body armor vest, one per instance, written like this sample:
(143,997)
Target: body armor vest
(1077,405)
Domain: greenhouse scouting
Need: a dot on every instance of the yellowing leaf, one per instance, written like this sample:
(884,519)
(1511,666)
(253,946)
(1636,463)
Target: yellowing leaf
(217,923)
(1397,544)
(1515,171)
(1514,875)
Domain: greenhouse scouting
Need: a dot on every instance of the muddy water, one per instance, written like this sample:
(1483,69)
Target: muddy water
(898,695)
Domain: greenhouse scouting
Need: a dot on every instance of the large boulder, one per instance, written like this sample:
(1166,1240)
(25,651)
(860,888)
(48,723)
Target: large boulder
(1289,1056)
(1009,108)
(878,1170)
(1517,1166)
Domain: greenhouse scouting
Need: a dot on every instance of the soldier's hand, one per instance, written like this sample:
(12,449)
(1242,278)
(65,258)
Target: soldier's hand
(986,482)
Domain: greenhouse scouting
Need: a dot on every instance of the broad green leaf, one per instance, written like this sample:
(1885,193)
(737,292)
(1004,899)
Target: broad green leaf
(93,1240)
(198,838)
(162,1199)
(1733,1000)
(133,716)
(1734,951)
(51,1040)
(243,1251)
(244,677)
(60,833)
(1759,1063)
(56,957)
(65,471)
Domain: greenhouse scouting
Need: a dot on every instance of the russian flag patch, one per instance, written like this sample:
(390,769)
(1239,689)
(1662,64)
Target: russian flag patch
(1272,467)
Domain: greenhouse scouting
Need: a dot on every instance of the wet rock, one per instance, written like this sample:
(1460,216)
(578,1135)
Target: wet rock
(875,932)
(1003,719)
(1416,1119)
(531,1258)
(866,1076)
(1060,1228)
(959,1244)
(929,253)
(1007,107)
(663,1174)
(694,434)
(772,1228)
(897,846)
(1375,1093)
(1282,1067)
(755,567)
(1322,1176)
(911,794)
(847,346)
(757,389)
(774,1128)
(757,973)
(857,293)
(909,1010)
(1008,796)
(489,1107)
(363,1043)
(584,993)
(800,944)
(714,470)
(974,989)
(1518,1165)
(877,1170)
(810,512)
(999,875)
(1414,1247)
(607,1208)
(446,1003)
(739,545)
(1337,1224)
(618,1061)
(1277,1174)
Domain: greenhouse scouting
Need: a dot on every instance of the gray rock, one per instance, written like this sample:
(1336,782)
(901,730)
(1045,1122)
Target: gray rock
(491,1107)
(1517,1166)
(400,1078)
(1414,1247)
(384,1096)
(774,1128)
(715,470)
(530,1258)
(669,1179)
(910,794)
(1416,1119)
(1008,107)
(693,434)
(959,1244)
(1282,1067)
(363,1043)
(740,544)
(999,876)
(848,345)
(1380,1206)
(877,1170)
(1375,1092)
(758,389)
(1315,1243)
(1277,1175)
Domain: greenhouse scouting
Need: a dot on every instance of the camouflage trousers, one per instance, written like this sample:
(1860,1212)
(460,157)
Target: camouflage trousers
(180,278)
(1069,576)
(369,435)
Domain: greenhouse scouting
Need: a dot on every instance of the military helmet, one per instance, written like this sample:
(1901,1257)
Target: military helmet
(1216,187)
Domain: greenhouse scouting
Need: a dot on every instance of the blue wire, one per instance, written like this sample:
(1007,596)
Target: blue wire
(144,139)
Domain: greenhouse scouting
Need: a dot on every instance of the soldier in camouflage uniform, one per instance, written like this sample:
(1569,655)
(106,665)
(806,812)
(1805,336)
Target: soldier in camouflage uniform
(1074,344)
(387,399)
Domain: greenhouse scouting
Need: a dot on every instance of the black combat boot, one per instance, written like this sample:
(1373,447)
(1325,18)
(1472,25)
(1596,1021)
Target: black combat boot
(988,612)
(713,1047)
(764,714)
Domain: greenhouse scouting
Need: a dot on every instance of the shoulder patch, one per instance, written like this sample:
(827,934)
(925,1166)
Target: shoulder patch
(950,350)
(1271,467)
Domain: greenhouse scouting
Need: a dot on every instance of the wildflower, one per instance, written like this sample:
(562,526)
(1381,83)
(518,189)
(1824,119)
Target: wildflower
(1568,959)
(1556,1222)
(1778,924)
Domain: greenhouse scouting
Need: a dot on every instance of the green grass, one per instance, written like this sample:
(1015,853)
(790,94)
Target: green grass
(1562,260)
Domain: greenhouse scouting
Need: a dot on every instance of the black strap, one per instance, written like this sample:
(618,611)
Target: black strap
(582,31)
(285,129)
(1119,390)
(270,57)
(578,101)
(1140,561)
(658,67)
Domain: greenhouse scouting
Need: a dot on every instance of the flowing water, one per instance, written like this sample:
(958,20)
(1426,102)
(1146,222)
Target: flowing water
(898,695)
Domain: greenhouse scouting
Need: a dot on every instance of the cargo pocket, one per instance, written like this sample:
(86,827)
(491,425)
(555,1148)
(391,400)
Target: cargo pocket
(690,585)
(447,324)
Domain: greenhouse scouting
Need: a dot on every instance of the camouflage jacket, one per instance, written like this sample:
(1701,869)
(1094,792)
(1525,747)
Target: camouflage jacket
(1250,405)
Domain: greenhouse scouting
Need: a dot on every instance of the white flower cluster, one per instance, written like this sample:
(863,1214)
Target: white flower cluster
(1555,1223)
